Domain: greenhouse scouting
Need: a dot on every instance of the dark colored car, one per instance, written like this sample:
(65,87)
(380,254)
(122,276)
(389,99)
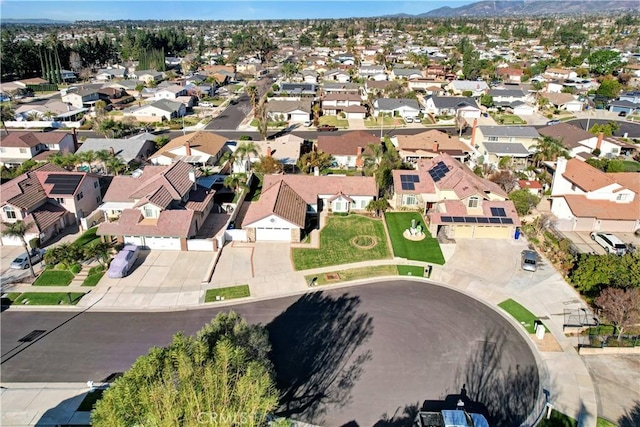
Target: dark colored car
(326,128)
(622,114)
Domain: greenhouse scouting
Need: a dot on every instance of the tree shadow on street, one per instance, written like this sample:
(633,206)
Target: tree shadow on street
(632,417)
(507,392)
(315,344)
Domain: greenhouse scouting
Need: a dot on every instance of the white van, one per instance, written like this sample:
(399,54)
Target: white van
(610,243)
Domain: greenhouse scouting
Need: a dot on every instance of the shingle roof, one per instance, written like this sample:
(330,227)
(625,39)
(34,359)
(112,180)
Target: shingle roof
(426,140)
(31,139)
(289,106)
(281,200)
(569,135)
(346,144)
(166,105)
(515,93)
(395,103)
(603,209)
(453,101)
(507,149)
(126,149)
(514,131)
(206,142)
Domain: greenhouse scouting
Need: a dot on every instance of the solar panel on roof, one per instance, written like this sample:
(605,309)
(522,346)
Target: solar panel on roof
(407,186)
(63,183)
(494,220)
(482,220)
(470,219)
(498,212)
(506,220)
(446,219)
(458,219)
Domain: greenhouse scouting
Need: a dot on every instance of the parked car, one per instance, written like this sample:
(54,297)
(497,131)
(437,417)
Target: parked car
(21,262)
(622,114)
(529,260)
(408,119)
(308,123)
(205,104)
(610,243)
(123,262)
(327,128)
(553,122)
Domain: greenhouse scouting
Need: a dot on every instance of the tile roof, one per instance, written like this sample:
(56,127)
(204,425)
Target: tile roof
(510,131)
(47,215)
(170,223)
(289,106)
(309,187)
(570,136)
(199,199)
(347,143)
(459,208)
(31,139)
(586,176)
(630,180)
(426,140)
(281,200)
(603,209)
(26,191)
(206,142)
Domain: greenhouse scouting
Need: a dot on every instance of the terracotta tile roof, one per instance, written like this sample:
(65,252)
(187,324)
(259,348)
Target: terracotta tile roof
(458,208)
(25,191)
(630,180)
(603,209)
(161,198)
(206,142)
(199,199)
(524,183)
(280,200)
(309,187)
(346,144)
(47,215)
(48,188)
(426,140)
(586,176)
(425,186)
(175,178)
(31,139)
(171,223)
(569,135)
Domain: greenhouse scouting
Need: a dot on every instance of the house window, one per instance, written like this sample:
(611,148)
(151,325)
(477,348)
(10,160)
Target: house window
(9,213)
(149,212)
(621,197)
(79,196)
(473,202)
(95,184)
(573,187)
(409,199)
(52,146)
(60,200)
(98,199)
(493,139)
(23,150)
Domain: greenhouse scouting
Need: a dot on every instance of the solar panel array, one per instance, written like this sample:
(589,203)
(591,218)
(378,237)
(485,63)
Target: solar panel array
(63,183)
(498,212)
(475,220)
(407,182)
(438,171)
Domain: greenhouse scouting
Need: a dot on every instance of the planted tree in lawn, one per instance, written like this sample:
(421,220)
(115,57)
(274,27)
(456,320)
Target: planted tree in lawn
(235,182)
(378,207)
(222,375)
(523,200)
(99,251)
(18,230)
(621,307)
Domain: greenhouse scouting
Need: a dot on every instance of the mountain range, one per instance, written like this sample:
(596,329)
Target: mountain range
(33,21)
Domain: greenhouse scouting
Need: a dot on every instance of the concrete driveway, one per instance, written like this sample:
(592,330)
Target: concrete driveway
(234,267)
(7,274)
(583,242)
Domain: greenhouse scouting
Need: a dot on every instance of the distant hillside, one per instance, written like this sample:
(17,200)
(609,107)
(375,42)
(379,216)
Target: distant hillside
(533,8)
(34,21)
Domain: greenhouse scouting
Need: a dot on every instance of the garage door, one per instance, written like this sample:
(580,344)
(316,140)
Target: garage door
(463,231)
(164,243)
(492,232)
(133,240)
(277,234)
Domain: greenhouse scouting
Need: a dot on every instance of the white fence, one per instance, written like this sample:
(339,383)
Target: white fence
(235,235)
(25,124)
(93,219)
(203,245)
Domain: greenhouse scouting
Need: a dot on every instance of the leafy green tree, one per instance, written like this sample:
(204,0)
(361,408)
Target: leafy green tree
(221,376)
(548,149)
(486,100)
(267,165)
(315,158)
(523,200)
(607,128)
(288,69)
(18,230)
(7,114)
(604,61)
(609,87)
(595,272)
(236,182)
(115,165)
(161,141)
(378,207)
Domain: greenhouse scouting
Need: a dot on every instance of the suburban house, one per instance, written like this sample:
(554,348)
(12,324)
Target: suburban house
(625,105)
(111,73)
(348,149)
(506,97)
(286,149)
(563,101)
(631,96)
(298,89)
(560,73)
(337,75)
(288,202)
(136,149)
(375,88)
(308,76)
(572,138)
(430,144)
(496,142)
(49,198)
(52,111)
(373,72)
(81,98)
(509,74)
(19,146)
(458,87)
(405,73)
(459,106)
(147,76)
(198,148)
(584,198)
(290,111)
(171,92)
(427,86)
(455,200)
(349,103)
(162,109)
(402,107)
(332,87)
(158,209)
(534,187)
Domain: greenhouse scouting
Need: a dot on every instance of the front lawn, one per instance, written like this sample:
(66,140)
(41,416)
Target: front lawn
(508,119)
(521,314)
(51,277)
(558,419)
(411,270)
(95,274)
(387,122)
(427,250)
(631,166)
(340,243)
(87,238)
(231,292)
(333,121)
(49,298)
(352,274)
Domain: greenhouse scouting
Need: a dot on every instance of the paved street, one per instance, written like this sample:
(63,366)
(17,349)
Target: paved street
(413,340)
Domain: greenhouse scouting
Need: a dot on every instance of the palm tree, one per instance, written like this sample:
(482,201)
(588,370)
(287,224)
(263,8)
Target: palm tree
(378,206)
(252,92)
(7,114)
(115,165)
(244,151)
(260,114)
(372,158)
(316,114)
(103,156)
(549,149)
(67,161)
(87,157)
(18,230)
(235,181)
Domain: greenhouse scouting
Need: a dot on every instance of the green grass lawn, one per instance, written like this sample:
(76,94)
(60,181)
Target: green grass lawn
(54,278)
(387,122)
(521,314)
(95,274)
(508,119)
(601,422)
(631,166)
(10,297)
(427,250)
(49,298)
(87,237)
(354,274)
(232,292)
(89,401)
(558,419)
(336,246)
(410,270)
(334,121)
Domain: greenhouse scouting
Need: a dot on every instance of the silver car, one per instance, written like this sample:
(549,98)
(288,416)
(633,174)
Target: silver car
(529,260)
(21,262)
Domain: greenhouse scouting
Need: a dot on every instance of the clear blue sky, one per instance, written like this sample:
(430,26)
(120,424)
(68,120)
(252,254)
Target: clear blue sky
(213,9)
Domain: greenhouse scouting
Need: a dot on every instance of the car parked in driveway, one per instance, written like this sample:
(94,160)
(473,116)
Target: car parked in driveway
(123,262)
(610,242)
(21,261)
(529,260)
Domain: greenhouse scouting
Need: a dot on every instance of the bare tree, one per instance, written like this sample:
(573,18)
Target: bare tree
(620,307)
(505,179)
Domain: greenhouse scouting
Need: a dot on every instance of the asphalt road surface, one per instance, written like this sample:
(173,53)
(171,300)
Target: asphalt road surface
(632,130)
(365,355)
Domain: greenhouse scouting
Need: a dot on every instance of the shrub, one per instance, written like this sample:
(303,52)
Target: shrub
(75,268)
(34,243)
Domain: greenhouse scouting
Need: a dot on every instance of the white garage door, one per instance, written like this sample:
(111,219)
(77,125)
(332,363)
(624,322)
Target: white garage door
(278,234)
(133,240)
(165,243)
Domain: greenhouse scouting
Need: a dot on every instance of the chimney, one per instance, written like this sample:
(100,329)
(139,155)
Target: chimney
(473,133)
(112,152)
(359,159)
(268,151)
(187,147)
(600,138)
(436,146)
(75,139)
